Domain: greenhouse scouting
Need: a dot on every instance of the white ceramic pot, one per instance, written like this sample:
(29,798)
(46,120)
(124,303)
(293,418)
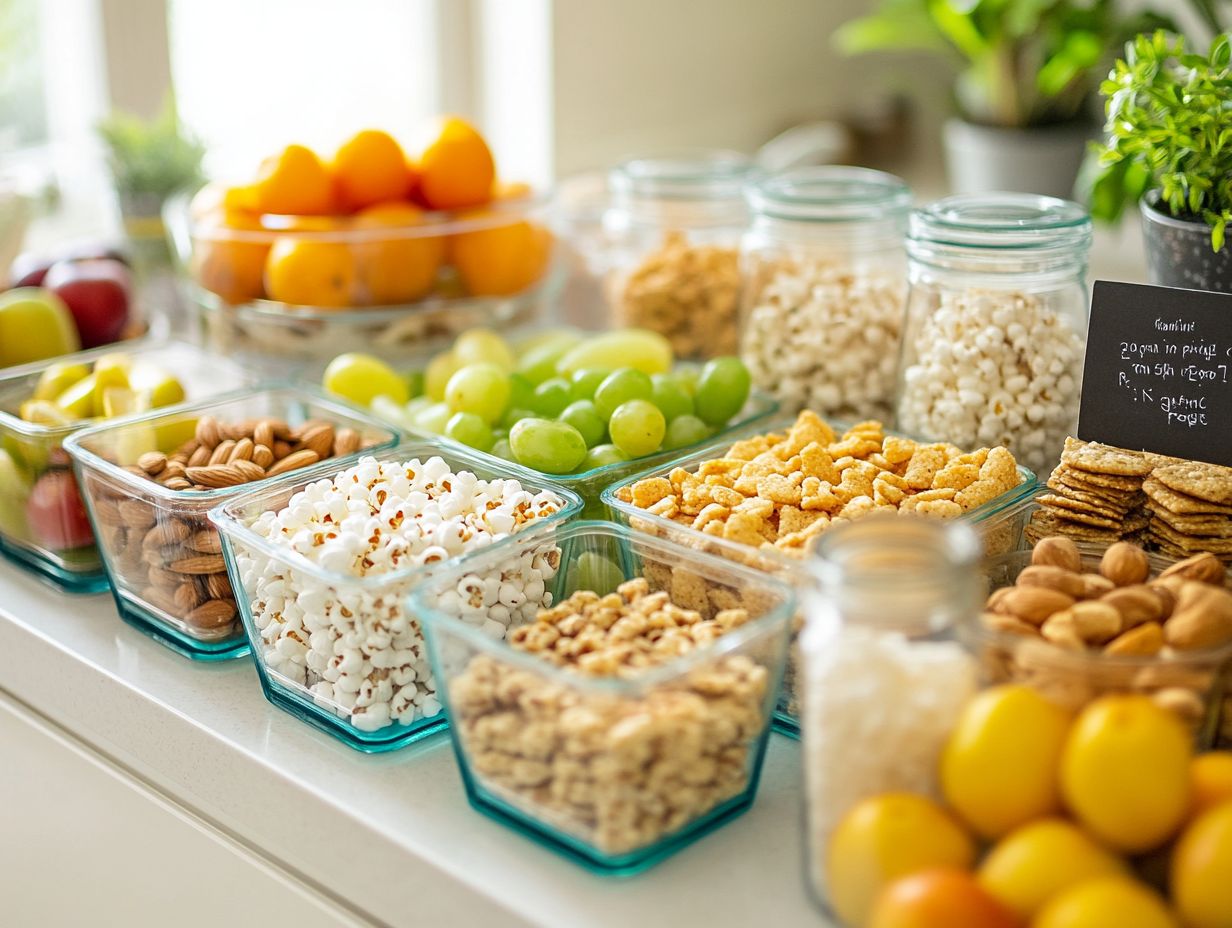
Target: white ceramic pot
(980,159)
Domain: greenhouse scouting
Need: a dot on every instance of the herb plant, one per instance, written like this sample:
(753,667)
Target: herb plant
(1169,129)
(155,158)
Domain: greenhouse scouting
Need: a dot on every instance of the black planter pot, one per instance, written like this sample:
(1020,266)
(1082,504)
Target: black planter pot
(1178,251)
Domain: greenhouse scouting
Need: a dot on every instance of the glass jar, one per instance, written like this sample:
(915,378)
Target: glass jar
(996,323)
(825,282)
(884,678)
(675,225)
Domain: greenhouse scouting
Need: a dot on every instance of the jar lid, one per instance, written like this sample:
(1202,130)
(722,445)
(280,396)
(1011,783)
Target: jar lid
(690,175)
(830,193)
(1002,221)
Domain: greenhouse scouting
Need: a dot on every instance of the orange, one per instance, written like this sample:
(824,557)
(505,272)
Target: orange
(229,265)
(510,190)
(1210,779)
(215,196)
(501,260)
(456,170)
(369,168)
(294,182)
(307,272)
(939,899)
(305,223)
(399,267)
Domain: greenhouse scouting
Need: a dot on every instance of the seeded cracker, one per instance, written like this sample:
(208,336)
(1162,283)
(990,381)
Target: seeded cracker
(1204,481)
(1181,502)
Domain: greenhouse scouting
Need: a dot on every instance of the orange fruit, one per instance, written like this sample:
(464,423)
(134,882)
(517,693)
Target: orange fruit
(940,898)
(215,196)
(369,168)
(400,267)
(1210,778)
(305,223)
(511,190)
(501,260)
(456,170)
(308,272)
(294,182)
(232,266)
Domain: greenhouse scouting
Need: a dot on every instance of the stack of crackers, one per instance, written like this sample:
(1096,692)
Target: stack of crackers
(1102,494)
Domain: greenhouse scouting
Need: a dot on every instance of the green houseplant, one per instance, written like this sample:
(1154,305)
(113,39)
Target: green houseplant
(1027,72)
(1169,147)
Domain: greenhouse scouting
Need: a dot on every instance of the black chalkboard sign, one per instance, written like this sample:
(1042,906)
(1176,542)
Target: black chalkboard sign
(1158,374)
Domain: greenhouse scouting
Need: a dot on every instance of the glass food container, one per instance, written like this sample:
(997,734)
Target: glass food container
(162,556)
(996,323)
(675,224)
(43,523)
(884,680)
(825,286)
(580,759)
(338,650)
(1000,523)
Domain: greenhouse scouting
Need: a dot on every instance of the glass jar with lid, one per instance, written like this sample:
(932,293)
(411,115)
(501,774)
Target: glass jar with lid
(996,323)
(825,284)
(884,681)
(675,224)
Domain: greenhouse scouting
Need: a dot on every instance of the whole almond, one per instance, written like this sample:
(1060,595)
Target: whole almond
(167,532)
(1204,567)
(1125,563)
(173,469)
(198,564)
(216,475)
(997,622)
(206,541)
(1137,604)
(164,579)
(107,511)
(200,457)
(1202,617)
(319,439)
(1034,604)
(996,597)
(1096,622)
(242,451)
(281,449)
(262,456)
(1054,578)
(1142,640)
(218,586)
(207,432)
(161,599)
(293,461)
(213,613)
(152,462)
(1096,585)
(263,433)
(137,514)
(309,425)
(186,598)
(177,483)
(1166,596)
(1057,551)
(248,470)
(222,452)
(1183,702)
(346,441)
(1060,630)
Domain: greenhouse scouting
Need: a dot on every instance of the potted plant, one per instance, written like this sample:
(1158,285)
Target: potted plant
(1169,147)
(1030,69)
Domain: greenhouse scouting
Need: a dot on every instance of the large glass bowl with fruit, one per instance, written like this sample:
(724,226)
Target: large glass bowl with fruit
(587,409)
(43,522)
(366,250)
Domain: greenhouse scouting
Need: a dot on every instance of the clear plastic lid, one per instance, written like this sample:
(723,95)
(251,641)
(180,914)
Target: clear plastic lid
(695,175)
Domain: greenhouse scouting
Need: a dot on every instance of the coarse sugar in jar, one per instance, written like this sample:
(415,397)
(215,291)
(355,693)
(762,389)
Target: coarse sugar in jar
(825,283)
(996,323)
(884,679)
(675,225)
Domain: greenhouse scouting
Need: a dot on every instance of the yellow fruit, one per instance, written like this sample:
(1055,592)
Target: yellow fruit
(42,412)
(501,260)
(58,377)
(294,182)
(939,899)
(456,168)
(110,371)
(399,266)
(310,272)
(1210,781)
(121,401)
(999,767)
(78,400)
(1033,864)
(1108,902)
(1125,772)
(160,386)
(437,374)
(1202,870)
(887,837)
(370,167)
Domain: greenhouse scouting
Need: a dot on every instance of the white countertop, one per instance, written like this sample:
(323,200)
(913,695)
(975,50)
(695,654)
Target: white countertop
(390,837)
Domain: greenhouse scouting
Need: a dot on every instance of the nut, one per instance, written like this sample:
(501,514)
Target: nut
(217,475)
(997,622)
(1137,604)
(1204,567)
(213,613)
(1184,702)
(167,532)
(1033,604)
(1062,631)
(242,451)
(207,433)
(1202,617)
(1053,578)
(346,441)
(1143,640)
(320,439)
(218,586)
(1057,551)
(222,452)
(206,541)
(293,461)
(152,462)
(1095,622)
(186,598)
(262,456)
(1125,563)
(249,470)
(1096,585)
(201,564)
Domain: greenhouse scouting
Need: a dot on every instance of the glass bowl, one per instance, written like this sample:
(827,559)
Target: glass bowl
(33,465)
(578,762)
(162,556)
(294,648)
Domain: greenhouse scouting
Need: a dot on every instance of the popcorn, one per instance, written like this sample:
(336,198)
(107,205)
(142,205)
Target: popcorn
(346,644)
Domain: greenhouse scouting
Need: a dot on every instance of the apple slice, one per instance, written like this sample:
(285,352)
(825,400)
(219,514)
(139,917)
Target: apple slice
(34,324)
(162,387)
(78,400)
(58,377)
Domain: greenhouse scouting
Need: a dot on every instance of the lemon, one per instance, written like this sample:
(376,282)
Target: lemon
(1210,780)
(1036,862)
(1108,902)
(162,388)
(999,767)
(110,371)
(78,400)
(121,401)
(886,837)
(1125,772)
(437,374)
(1202,870)
(58,377)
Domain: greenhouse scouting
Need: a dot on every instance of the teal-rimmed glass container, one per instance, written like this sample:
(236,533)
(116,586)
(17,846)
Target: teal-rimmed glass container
(34,466)
(162,556)
(1000,522)
(615,773)
(307,624)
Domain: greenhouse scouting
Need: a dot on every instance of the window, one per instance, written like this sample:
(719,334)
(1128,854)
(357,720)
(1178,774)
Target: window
(23,105)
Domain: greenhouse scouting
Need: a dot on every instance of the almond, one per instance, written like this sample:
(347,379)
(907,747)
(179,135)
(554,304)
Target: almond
(293,461)
(1096,585)
(1202,617)
(152,462)
(1057,551)
(1096,622)
(206,541)
(177,483)
(319,439)
(1060,630)
(222,452)
(997,622)
(346,441)
(161,599)
(207,434)
(1185,703)
(1054,578)
(186,597)
(198,564)
(1167,599)
(107,511)
(200,457)
(1137,604)
(1143,640)
(216,475)
(281,449)
(242,451)
(263,433)
(248,470)
(218,586)
(213,613)
(996,597)
(167,532)
(137,514)
(1125,564)
(1034,604)
(262,456)
(1204,567)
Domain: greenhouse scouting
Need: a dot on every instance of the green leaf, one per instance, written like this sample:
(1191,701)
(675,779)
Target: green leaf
(880,32)
(1079,52)
(958,28)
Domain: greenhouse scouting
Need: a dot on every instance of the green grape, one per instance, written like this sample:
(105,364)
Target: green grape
(546,445)
(670,397)
(620,387)
(469,429)
(414,383)
(500,448)
(538,364)
(597,572)
(481,388)
(475,345)
(686,375)
(582,416)
(564,339)
(433,418)
(521,392)
(515,414)
(603,455)
(586,381)
(551,397)
(385,408)
(684,431)
(361,377)
(637,427)
(721,390)
(437,374)
(646,351)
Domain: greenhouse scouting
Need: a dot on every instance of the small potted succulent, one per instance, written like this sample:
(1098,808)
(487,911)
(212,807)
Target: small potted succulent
(1028,74)
(1169,147)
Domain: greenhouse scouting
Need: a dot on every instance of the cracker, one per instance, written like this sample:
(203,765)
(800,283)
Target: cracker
(1218,526)
(1070,504)
(1164,531)
(1181,502)
(1104,459)
(1109,481)
(1044,523)
(1205,481)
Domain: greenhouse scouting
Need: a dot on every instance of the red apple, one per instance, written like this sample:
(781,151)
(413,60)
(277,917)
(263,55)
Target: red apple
(55,513)
(96,292)
(28,269)
(91,248)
